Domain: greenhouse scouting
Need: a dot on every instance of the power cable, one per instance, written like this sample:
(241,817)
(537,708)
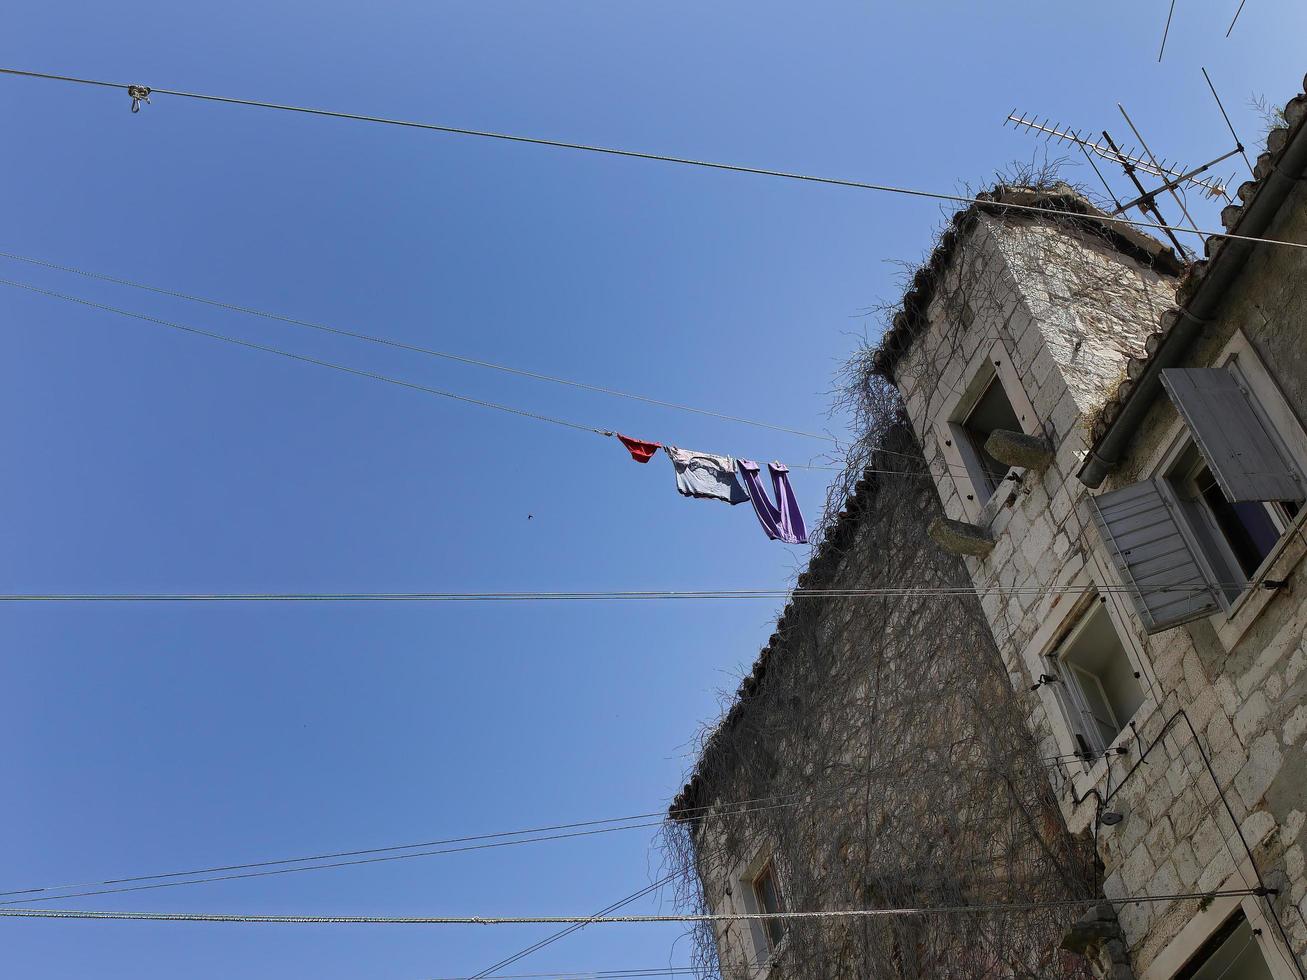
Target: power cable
(251,345)
(564,933)
(886,593)
(140,91)
(114,886)
(609,919)
(374,376)
(648,971)
(400,345)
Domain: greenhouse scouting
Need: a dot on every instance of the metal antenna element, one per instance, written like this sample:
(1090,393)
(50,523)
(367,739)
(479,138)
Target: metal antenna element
(1236,17)
(1226,116)
(1170,185)
(1211,186)
(1166,31)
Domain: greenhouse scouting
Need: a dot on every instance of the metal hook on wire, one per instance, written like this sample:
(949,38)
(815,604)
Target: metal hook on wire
(139,94)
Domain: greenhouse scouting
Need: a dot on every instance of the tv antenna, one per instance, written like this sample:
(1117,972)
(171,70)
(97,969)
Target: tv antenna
(1176,178)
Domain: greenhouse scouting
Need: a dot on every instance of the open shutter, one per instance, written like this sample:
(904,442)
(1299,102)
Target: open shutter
(1229,435)
(1165,581)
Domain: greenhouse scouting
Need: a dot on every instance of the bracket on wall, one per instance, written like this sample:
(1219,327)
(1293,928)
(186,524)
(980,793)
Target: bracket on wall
(960,538)
(1019,449)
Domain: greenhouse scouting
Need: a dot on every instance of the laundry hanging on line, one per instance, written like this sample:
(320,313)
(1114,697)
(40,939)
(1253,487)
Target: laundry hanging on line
(709,476)
(640,450)
(706,476)
(782,520)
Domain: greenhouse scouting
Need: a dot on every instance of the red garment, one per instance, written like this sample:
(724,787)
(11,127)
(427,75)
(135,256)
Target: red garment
(640,451)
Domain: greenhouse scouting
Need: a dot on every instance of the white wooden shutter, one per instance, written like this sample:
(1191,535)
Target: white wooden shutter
(1164,579)
(1231,438)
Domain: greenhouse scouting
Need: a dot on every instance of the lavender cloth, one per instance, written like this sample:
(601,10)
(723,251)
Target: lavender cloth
(781,520)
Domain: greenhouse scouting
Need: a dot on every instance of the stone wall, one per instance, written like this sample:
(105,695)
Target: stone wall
(895,768)
(1226,691)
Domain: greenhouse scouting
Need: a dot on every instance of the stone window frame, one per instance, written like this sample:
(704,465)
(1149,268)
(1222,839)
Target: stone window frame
(1096,583)
(963,467)
(760,954)
(1204,923)
(1236,616)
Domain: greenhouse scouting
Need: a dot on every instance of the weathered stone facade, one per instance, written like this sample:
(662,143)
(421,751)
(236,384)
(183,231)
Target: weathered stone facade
(878,757)
(1190,780)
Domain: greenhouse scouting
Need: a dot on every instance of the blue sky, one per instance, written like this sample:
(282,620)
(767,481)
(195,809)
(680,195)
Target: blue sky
(148,738)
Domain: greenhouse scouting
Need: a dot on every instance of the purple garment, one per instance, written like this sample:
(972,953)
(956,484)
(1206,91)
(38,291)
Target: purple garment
(781,520)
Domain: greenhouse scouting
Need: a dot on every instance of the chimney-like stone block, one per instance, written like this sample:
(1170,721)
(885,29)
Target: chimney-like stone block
(1019,449)
(960,538)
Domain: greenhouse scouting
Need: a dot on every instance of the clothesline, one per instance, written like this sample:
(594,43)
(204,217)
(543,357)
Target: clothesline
(707,476)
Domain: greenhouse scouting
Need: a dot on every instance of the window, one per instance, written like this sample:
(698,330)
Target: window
(992,411)
(1235,536)
(986,395)
(1232,953)
(1190,540)
(1099,687)
(767,899)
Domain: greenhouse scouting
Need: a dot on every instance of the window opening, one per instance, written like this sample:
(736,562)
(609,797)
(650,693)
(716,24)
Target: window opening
(1098,681)
(1237,537)
(1232,953)
(993,410)
(767,893)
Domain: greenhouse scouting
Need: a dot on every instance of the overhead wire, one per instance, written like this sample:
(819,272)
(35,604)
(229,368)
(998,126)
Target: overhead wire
(401,345)
(113,886)
(648,971)
(636,154)
(443,354)
(710,594)
(610,919)
(319,362)
(549,940)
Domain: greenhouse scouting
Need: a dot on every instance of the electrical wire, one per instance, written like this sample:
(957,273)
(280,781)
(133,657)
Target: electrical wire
(609,919)
(400,345)
(116,886)
(635,154)
(648,971)
(251,345)
(564,933)
(886,593)
(304,358)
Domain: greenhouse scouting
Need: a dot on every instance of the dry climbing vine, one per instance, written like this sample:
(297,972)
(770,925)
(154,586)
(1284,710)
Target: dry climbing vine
(893,725)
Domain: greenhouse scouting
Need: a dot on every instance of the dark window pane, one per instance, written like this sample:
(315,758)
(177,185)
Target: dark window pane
(1247,526)
(768,894)
(992,411)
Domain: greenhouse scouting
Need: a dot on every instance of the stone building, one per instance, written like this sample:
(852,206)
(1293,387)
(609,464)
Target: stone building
(1107,448)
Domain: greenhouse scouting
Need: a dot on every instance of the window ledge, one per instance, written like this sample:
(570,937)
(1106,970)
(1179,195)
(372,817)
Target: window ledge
(1252,602)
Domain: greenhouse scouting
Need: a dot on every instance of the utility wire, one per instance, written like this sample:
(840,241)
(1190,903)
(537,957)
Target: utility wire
(609,919)
(115,886)
(301,357)
(886,593)
(400,345)
(659,157)
(564,933)
(647,971)
(251,345)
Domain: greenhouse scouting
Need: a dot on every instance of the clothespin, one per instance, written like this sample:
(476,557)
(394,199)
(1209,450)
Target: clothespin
(139,94)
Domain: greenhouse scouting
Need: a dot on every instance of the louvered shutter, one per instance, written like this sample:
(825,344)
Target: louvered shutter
(1142,534)
(1231,438)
